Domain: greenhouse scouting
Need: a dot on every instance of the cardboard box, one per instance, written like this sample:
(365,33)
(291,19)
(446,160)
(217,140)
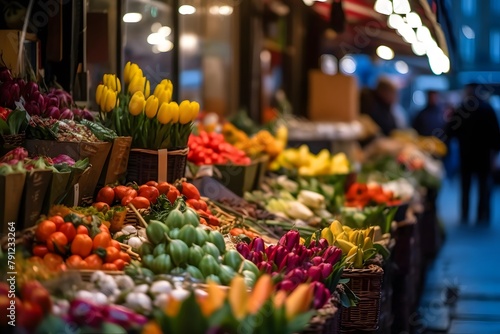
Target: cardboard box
(116,164)
(332,98)
(239,179)
(11,193)
(35,190)
(96,152)
(57,190)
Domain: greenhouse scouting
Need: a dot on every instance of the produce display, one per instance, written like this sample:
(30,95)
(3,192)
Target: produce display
(212,149)
(360,195)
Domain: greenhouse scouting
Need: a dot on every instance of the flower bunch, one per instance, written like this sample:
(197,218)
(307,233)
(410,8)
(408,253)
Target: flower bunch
(153,121)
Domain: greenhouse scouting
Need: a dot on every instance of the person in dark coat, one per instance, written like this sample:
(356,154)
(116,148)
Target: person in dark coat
(476,127)
(378,105)
(432,117)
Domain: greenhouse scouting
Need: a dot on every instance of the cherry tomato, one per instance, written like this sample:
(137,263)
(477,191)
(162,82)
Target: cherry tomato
(125,257)
(82,245)
(126,200)
(101,240)
(115,244)
(52,260)
(110,267)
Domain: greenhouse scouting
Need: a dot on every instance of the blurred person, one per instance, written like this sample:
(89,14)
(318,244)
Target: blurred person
(476,127)
(432,117)
(378,104)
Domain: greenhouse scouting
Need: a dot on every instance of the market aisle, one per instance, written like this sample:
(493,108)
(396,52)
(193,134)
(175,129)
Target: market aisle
(466,264)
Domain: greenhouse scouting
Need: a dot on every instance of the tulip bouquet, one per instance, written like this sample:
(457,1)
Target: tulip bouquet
(235,310)
(153,121)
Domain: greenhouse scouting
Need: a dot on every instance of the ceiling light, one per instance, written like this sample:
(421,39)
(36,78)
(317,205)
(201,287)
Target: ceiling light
(187,10)
(132,17)
(401,67)
(468,32)
(413,20)
(225,10)
(385,52)
(401,6)
(418,48)
(383,7)
(348,65)
(423,34)
(395,21)
(165,46)
(165,31)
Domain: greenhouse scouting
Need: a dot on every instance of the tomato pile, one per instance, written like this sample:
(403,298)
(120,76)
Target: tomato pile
(212,149)
(75,242)
(360,195)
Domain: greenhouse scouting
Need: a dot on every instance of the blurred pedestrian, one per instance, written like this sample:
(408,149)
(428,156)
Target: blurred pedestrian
(476,127)
(379,103)
(432,117)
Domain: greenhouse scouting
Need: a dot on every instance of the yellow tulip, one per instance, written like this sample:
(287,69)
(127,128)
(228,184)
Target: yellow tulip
(102,98)
(137,84)
(147,89)
(151,327)
(185,112)
(165,96)
(112,82)
(174,109)
(299,301)
(279,298)
(110,100)
(195,110)
(238,297)
(137,103)
(98,93)
(164,114)
(214,301)
(167,84)
(151,106)
(130,71)
(173,307)
(260,294)
(158,90)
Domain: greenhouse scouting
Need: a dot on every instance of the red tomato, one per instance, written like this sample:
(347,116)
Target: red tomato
(120,192)
(120,264)
(38,296)
(44,230)
(101,206)
(172,195)
(106,195)
(29,316)
(40,250)
(140,202)
(58,220)
(69,231)
(151,193)
(126,200)
(81,229)
(131,192)
(57,242)
(163,187)
(152,184)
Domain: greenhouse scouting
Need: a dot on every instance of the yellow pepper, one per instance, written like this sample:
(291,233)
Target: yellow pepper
(151,106)
(131,70)
(137,103)
(168,113)
(185,115)
(139,84)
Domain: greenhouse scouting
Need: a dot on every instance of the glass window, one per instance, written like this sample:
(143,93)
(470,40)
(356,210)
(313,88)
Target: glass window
(467,49)
(469,7)
(495,46)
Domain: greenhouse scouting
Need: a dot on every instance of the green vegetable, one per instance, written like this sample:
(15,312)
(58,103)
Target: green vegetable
(217,239)
(177,271)
(156,231)
(145,249)
(250,266)
(179,252)
(147,260)
(160,249)
(194,272)
(226,274)
(191,217)
(174,233)
(210,248)
(201,236)
(250,278)
(214,279)
(187,234)
(175,219)
(162,264)
(209,265)
(196,253)
(233,259)
(100,131)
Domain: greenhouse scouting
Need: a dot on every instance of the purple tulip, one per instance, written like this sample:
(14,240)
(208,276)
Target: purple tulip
(270,252)
(255,257)
(290,262)
(5,75)
(332,255)
(87,115)
(290,240)
(323,244)
(297,275)
(66,114)
(29,90)
(265,267)
(32,108)
(286,285)
(326,270)
(51,101)
(314,274)
(257,245)
(243,249)
(281,253)
(317,260)
(53,112)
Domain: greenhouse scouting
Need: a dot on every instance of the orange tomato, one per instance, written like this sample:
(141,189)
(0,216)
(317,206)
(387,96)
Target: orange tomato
(40,250)
(83,265)
(236,231)
(125,257)
(109,267)
(69,231)
(58,220)
(61,267)
(112,254)
(106,195)
(101,240)
(104,228)
(44,230)
(163,187)
(141,202)
(126,200)
(52,261)
(73,261)
(120,192)
(94,261)
(57,242)
(152,183)
(115,244)
(82,230)
(120,264)
(82,245)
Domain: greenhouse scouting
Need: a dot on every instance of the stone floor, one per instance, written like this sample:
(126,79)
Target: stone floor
(462,289)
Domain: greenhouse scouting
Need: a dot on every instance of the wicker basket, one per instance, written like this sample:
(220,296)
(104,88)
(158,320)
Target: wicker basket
(10,142)
(327,321)
(156,165)
(367,285)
